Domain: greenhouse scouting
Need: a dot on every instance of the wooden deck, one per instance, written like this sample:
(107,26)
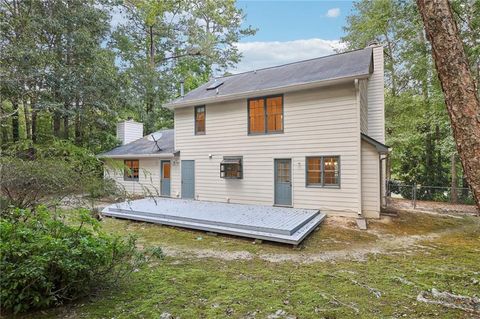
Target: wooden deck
(286,225)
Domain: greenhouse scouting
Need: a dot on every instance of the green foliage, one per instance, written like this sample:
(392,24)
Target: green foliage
(417,124)
(27,183)
(46,261)
(163,43)
(48,174)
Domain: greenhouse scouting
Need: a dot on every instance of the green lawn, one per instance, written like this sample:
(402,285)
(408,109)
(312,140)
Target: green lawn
(400,258)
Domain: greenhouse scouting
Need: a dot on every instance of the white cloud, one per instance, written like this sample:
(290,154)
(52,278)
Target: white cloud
(258,55)
(333,12)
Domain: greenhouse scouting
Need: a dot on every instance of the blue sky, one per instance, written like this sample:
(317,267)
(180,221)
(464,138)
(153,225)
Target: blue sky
(293,20)
(290,31)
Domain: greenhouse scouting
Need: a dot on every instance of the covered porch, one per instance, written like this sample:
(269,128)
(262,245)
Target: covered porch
(279,224)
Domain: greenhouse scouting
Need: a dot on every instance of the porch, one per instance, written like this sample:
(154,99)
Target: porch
(279,224)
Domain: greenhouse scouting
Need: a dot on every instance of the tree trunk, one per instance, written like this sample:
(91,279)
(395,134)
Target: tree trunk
(57,118)
(15,123)
(78,123)
(28,125)
(149,94)
(33,122)
(458,85)
(65,126)
(454,192)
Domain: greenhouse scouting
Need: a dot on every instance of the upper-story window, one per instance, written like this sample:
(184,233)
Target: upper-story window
(200,120)
(265,115)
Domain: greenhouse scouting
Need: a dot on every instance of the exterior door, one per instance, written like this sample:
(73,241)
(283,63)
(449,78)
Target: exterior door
(188,179)
(283,182)
(165,178)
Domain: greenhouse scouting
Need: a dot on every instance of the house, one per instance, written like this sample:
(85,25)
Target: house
(308,134)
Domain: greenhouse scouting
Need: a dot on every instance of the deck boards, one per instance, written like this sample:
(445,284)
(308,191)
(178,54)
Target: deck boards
(288,225)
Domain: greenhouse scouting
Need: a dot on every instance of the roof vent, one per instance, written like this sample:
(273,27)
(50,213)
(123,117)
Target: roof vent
(214,85)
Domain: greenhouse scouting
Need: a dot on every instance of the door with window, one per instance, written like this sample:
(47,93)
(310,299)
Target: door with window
(188,179)
(283,182)
(165,178)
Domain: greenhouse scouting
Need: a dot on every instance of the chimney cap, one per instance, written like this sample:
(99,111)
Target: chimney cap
(373,43)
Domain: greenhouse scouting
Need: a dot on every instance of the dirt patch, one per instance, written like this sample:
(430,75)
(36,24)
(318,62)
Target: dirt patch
(387,244)
(396,204)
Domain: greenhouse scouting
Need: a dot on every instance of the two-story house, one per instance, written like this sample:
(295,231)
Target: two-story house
(308,134)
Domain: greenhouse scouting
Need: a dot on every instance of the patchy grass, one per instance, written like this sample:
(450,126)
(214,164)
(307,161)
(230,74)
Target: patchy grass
(383,285)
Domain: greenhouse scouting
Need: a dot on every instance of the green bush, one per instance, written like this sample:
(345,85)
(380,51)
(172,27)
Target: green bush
(46,261)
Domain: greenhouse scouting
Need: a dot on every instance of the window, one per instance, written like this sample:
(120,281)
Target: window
(231,168)
(200,120)
(131,170)
(323,171)
(265,115)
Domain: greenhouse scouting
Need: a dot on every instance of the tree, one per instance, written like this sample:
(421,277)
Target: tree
(458,85)
(163,43)
(416,120)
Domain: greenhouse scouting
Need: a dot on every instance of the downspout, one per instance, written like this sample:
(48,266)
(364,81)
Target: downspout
(383,188)
(359,147)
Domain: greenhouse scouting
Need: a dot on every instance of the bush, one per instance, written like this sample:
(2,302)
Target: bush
(28,183)
(25,183)
(46,261)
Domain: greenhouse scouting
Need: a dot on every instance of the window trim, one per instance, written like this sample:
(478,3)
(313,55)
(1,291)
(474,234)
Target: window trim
(265,97)
(205,120)
(240,158)
(125,167)
(322,184)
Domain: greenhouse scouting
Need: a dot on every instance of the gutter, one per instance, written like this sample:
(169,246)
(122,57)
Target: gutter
(127,156)
(381,148)
(281,89)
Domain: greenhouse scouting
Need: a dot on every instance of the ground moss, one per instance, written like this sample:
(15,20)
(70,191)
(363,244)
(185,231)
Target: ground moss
(382,286)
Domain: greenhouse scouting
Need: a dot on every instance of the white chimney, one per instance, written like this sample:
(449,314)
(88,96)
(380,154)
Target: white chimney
(129,131)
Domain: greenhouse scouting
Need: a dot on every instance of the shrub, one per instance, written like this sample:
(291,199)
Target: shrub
(28,183)
(46,261)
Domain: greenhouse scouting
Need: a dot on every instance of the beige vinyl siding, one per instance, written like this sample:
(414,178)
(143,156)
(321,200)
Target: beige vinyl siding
(148,176)
(129,131)
(317,122)
(363,92)
(376,99)
(370,181)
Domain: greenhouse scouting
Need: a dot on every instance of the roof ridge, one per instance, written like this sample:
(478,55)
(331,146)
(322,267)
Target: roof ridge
(289,63)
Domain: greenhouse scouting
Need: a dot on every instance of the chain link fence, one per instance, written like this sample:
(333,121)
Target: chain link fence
(430,198)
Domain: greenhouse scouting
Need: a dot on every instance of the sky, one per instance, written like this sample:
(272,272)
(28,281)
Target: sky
(290,31)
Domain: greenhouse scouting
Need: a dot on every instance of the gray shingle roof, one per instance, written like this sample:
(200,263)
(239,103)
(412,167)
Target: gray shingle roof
(332,67)
(145,146)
